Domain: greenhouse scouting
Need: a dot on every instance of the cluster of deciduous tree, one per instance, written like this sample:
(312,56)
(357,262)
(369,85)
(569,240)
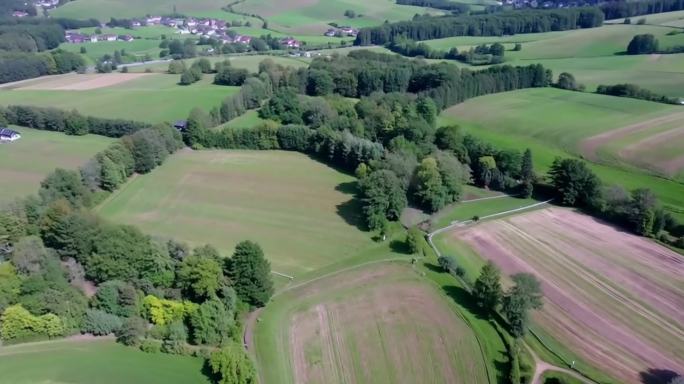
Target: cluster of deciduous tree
(635,92)
(71,123)
(621,8)
(15,66)
(642,44)
(496,24)
(639,210)
(364,72)
(158,295)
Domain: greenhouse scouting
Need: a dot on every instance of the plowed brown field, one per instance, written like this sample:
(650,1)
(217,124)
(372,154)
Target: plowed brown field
(615,299)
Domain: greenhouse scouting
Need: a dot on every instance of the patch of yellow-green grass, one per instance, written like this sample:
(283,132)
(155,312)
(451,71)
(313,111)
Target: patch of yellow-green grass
(302,212)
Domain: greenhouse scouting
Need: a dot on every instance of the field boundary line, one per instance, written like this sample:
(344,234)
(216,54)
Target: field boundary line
(487,198)
(282,274)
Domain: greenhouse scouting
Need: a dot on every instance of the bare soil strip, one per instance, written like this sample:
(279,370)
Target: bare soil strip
(611,297)
(590,146)
(653,144)
(380,325)
(81,82)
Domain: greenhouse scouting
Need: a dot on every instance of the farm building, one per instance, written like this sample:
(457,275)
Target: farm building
(7,135)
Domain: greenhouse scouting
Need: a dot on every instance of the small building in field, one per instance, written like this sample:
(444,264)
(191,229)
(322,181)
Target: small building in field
(20,14)
(8,135)
(180,125)
(126,38)
(290,42)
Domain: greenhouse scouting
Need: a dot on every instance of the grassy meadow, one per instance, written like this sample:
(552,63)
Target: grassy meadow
(379,323)
(26,162)
(593,55)
(301,212)
(103,10)
(249,62)
(153,98)
(553,122)
(94,362)
(311,17)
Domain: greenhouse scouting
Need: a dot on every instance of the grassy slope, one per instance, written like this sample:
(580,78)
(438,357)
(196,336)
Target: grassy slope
(467,210)
(312,17)
(272,339)
(94,362)
(153,98)
(591,54)
(300,211)
(24,163)
(515,123)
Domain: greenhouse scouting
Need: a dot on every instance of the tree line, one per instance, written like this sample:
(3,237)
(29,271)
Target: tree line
(158,295)
(635,92)
(496,24)
(648,44)
(24,44)
(482,54)
(69,122)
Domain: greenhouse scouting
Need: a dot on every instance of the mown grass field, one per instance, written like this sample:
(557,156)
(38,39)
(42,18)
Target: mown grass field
(26,162)
(593,55)
(380,323)
(153,98)
(94,362)
(311,17)
(553,123)
(467,210)
(620,290)
(301,212)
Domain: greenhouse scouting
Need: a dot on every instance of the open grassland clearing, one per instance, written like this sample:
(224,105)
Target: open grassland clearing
(300,211)
(152,98)
(25,162)
(613,298)
(380,323)
(311,17)
(94,362)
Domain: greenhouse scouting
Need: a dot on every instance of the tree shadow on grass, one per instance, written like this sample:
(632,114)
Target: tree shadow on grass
(351,210)
(465,299)
(399,246)
(657,376)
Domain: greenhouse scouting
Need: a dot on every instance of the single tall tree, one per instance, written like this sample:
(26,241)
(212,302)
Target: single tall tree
(524,296)
(527,173)
(251,274)
(487,288)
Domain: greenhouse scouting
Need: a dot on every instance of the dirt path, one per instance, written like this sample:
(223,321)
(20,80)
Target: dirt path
(590,146)
(541,366)
(250,323)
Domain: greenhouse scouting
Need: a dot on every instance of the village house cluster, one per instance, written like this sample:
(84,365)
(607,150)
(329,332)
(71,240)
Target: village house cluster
(201,27)
(342,32)
(74,37)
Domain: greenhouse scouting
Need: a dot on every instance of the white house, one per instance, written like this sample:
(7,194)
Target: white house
(7,135)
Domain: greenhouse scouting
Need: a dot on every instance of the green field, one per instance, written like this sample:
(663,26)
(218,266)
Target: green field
(26,162)
(301,212)
(380,323)
(153,98)
(249,119)
(552,122)
(103,10)
(311,17)
(95,51)
(465,210)
(592,55)
(94,362)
